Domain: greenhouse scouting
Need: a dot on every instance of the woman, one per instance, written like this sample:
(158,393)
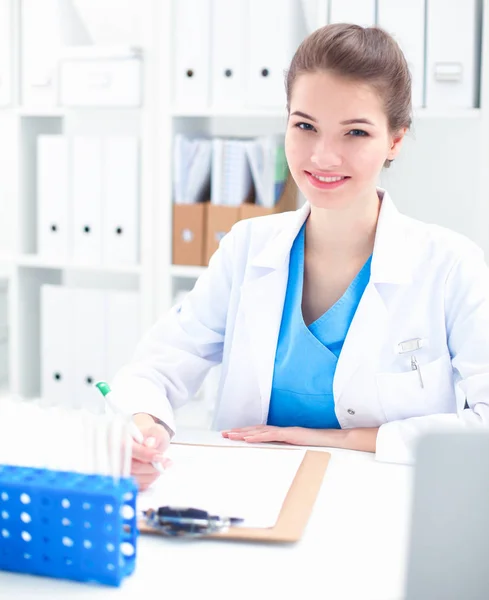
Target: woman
(343,324)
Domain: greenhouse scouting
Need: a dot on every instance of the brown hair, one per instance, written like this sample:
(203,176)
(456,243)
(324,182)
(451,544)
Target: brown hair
(366,54)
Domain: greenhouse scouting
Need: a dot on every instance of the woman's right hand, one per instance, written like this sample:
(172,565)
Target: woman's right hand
(155,444)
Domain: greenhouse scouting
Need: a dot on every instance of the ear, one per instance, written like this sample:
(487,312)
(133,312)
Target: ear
(396,143)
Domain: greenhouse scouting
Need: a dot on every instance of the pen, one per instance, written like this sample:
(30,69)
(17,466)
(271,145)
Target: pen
(182,521)
(106,392)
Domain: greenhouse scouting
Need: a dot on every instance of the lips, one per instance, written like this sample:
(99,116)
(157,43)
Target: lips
(326,182)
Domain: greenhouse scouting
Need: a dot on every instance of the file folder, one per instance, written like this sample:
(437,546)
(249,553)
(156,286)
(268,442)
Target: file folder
(6,57)
(121,200)
(359,12)
(86,194)
(57,345)
(192,19)
(53,197)
(274,33)
(228,58)
(40,40)
(453,43)
(405,20)
(88,346)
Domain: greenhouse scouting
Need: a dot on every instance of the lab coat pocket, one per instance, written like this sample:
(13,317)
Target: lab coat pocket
(402,396)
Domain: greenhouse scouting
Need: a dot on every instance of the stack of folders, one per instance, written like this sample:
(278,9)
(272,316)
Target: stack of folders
(88,199)
(87,335)
(247,178)
(67,501)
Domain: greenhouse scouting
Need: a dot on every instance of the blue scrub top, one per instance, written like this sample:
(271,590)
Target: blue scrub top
(306,357)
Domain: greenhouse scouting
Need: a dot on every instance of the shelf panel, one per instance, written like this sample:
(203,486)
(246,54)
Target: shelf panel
(39,262)
(40,111)
(241,113)
(188,272)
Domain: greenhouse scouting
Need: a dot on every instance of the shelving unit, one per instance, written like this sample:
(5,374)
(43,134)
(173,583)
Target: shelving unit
(20,264)
(441,176)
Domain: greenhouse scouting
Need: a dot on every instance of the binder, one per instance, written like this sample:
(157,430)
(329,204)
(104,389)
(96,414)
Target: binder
(315,13)
(359,12)
(6,44)
(453,41)
(121,200)
(86,194)
(57,345)
(192,36)
(268,56)
(405,20)
(53,207)
(88,347)
(40,39)
(123,329)
(296,508)
(228,53)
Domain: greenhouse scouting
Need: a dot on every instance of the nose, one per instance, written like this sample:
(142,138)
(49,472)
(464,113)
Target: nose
(325,155)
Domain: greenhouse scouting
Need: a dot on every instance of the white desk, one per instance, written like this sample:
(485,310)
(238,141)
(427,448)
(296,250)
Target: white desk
(354,548)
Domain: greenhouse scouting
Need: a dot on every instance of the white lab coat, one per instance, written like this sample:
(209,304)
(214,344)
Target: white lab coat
(426,282)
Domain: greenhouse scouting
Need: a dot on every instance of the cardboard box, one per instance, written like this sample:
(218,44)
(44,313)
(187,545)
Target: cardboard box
(220,219)
(189,228)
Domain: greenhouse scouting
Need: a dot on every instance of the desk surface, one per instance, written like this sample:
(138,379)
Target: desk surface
(354,548)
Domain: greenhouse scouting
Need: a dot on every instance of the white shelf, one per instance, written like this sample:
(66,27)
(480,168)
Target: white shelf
(243,113)
(237,112)
(40,111)
(188,272)
(39,262)
(455,113)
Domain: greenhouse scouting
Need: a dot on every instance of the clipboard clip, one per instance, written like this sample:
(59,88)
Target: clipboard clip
(174,521)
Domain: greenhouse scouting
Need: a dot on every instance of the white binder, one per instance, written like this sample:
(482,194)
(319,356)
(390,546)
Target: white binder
(88,346)
(274,33)
(228,52)
(359,12)
(405,20)
(6,54)
(192,53)
(53,206)
(123,329)
(40,41)
(315,13)
(57,344)
(121,200)
(86,194)
(452,74)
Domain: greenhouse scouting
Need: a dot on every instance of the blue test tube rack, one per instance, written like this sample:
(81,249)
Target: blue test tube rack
(67,525)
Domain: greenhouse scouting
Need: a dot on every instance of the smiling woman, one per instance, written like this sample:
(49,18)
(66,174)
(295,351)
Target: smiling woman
(341,324)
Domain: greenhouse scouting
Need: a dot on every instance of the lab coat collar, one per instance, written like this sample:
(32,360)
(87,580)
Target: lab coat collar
(392,260)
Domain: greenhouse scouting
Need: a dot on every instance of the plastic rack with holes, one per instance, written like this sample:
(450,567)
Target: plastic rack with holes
(67,525)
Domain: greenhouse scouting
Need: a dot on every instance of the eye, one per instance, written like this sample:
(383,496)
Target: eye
(357,133)
(304,126)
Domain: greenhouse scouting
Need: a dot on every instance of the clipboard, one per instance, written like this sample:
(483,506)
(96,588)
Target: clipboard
(295,511)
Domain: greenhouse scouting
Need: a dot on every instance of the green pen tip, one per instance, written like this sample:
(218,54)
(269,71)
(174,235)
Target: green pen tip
(103,387)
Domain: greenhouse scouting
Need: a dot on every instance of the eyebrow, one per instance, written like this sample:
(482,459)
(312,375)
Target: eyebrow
(362,120)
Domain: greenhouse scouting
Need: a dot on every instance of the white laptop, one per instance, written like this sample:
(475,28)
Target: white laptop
(449,545)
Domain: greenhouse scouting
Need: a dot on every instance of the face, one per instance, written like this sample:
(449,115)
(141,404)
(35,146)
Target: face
(337,139)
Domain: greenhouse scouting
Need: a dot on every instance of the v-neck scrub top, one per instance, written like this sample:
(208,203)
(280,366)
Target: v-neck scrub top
(306,357)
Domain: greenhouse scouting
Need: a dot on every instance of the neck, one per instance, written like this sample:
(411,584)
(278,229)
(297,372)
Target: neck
(346,233)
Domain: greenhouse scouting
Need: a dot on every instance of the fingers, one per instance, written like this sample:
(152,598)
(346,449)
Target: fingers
(143,453)
(156,437)
(255,434)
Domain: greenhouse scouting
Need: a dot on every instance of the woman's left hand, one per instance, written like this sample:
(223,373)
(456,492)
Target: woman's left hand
(269,433)
(364,439)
